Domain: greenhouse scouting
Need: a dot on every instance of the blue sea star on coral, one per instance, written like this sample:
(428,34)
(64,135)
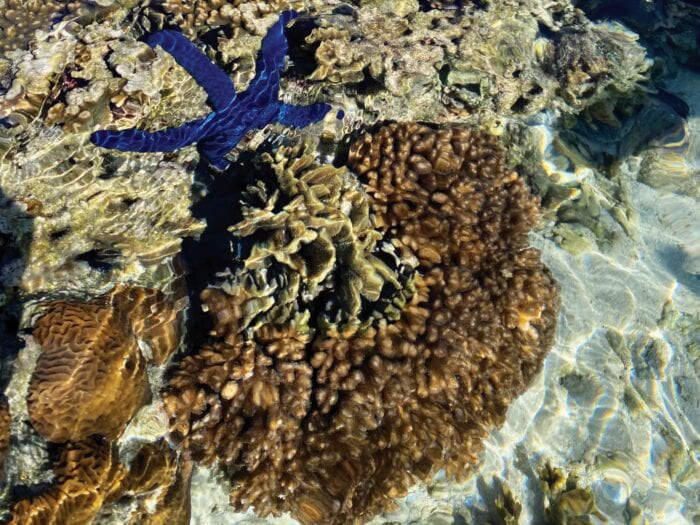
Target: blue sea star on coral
(234,114)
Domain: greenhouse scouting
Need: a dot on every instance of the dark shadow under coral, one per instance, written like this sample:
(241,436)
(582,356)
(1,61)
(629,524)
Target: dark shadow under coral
(217,200)
(16,228)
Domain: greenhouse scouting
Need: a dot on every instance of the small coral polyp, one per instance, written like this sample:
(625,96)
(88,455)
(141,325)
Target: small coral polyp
(332,426)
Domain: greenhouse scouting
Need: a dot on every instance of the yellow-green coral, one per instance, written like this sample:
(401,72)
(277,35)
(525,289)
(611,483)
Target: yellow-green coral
(315,234)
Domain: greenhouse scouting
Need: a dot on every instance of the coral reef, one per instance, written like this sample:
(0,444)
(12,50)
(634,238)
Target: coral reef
(91,375)
(315,258)
(88,476)
(332,426)
(369,330)
(234,114)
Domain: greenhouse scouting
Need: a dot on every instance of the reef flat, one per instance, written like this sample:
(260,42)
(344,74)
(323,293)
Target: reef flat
(467,293)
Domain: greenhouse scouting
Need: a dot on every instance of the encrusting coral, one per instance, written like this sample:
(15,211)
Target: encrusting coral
(332,426)
(91,375)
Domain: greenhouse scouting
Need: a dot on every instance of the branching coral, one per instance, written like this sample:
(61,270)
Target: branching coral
(238,25)
(20,19)
(202,15)
(332,426)
(91,376)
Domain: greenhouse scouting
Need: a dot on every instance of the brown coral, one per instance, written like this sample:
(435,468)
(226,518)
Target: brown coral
(20,19)
(196,15)
(91,375)
(162,484)
(4,430)
(332,427)
(87,475)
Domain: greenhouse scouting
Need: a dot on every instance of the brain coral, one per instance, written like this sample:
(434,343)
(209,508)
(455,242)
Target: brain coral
(331,426)
(87,475)
(91,376)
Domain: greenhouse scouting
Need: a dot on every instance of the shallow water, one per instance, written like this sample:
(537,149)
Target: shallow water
(611,145)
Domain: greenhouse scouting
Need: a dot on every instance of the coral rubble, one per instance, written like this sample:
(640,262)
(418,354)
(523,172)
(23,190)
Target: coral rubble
(332,425)
(91,375)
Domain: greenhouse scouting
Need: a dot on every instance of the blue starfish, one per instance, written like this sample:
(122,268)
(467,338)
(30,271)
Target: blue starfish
(234,114)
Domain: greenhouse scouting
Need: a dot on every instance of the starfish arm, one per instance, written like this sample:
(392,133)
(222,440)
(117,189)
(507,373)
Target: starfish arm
(215,147)
(300,116)
(214,80)
(169,139)
(272,54)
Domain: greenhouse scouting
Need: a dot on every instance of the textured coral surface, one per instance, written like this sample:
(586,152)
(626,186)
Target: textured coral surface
(91,375)
(88,475)
(333,426)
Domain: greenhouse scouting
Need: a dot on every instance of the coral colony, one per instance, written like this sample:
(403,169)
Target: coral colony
(234,115)
(387,312)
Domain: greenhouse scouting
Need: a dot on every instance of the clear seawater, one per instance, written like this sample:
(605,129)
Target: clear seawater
(617,402)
